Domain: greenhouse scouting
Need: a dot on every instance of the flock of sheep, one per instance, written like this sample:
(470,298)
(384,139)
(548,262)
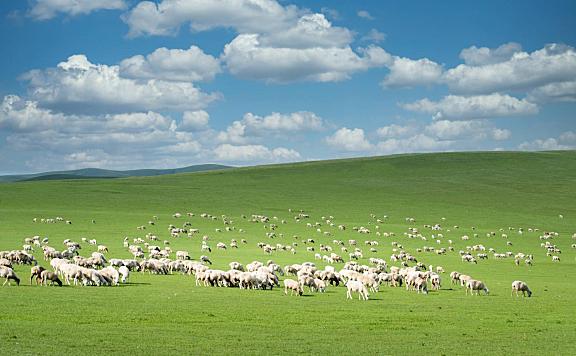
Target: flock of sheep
(68,266)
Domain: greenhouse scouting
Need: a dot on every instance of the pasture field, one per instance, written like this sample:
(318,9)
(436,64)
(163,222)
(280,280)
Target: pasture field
(156,314)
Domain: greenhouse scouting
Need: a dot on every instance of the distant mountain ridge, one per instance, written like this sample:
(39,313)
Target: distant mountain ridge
(97,173)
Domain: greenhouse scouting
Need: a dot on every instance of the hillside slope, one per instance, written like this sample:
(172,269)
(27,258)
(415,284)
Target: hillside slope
(94,173)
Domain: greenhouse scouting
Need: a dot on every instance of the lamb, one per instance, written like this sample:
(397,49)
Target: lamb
(9,274)
(519,286)
(474,285)
(102,249)
(356,286)
(50,276)
(293,286)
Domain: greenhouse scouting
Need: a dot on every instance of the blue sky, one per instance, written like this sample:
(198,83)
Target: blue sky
(135,84)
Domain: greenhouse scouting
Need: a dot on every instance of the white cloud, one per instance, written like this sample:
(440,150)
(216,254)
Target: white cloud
(252,126)
(135,122)
(310,31)
(47,9)
(194,120)
(77,85)
(352,140)
(254,153)
(365,15)
(475,56)
(564,91)
(523,71)
(165,18)
(406,72)
(395,131)
(246,57)
(374,36)
(172,65)
(460,130)
(416,143)
(276,122)
(474,107)
(18,115)
(566,141)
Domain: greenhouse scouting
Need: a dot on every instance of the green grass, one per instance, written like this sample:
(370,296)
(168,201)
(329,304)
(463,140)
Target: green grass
(168,314)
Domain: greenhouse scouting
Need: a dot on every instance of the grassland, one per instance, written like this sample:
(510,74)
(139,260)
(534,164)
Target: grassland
(168,314)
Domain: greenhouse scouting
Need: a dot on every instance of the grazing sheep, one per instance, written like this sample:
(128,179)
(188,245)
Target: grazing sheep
(8,274)
(356,286)
(420,285)
(293,286)
(36,272)
(124,273)
(519,286)
(50,276)
(474,285)
(319,285)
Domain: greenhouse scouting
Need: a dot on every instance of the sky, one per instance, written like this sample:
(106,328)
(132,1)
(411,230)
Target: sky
(126,84)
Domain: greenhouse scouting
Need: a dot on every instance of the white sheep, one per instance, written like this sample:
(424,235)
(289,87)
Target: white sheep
(8,274)
(474,285)
(293,286)
(124,273)
(519,286)
(356,286)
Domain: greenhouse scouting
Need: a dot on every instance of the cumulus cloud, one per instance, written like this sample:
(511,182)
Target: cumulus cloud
(246,57)
(523,71)
(564,91)
(47,9)
(277,44)
(254,153)
(77,85)
(476,129)
(171,64)
(246,16)
(352,140)
(311,31)
(395,131)
(475,56)
(406,72)
(474,107)
(20,115)
(566,141)
(252,126)
(412,144)
(194,120)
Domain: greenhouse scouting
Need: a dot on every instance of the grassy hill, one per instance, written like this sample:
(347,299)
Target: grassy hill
(94,173)
(468,193)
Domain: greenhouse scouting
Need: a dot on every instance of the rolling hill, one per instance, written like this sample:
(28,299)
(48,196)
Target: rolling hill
(503,201)
(95,173)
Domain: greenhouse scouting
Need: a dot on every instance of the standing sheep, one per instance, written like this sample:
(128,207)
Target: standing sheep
(474,285)
(356,286)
